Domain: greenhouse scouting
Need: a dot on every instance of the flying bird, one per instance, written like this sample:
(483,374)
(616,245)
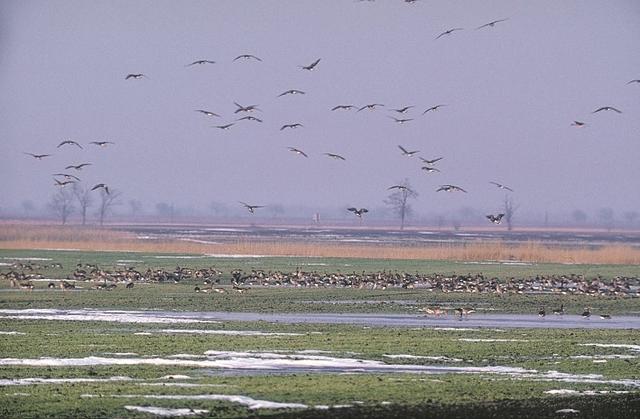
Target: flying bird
(433,108)
(67,176)
(78,167)
(370,107)
(135,76)
(311,66)
(297,151)
(491,24)
(358,211)
(334,156)
(448,32)
(432,161)
(101,185)
(634,81)
(403,110)
(200,62)
(249,118)
(607,108)
(249,108)
(247,57)
(225,127)
(65,142)
(578,124)
(101,143)
(63,184)
(38,156)
(400,187)
(401,121)
(501,186)
(296,125)
(251,208)
(495,219)
(292,92)
(450,188)
(429,169)
(343,107)
(407,153)
(208,113)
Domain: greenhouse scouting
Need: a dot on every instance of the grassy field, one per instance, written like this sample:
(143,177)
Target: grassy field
(599,381)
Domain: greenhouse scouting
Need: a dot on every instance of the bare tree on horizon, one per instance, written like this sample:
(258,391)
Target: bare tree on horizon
(84,199)
(509,209)
(106,204)
(399,201)
(62,204)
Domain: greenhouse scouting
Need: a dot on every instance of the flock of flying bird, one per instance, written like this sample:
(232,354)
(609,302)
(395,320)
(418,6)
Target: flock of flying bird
(247,112)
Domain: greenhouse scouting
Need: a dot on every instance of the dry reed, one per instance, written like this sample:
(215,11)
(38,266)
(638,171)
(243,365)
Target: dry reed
(14,236)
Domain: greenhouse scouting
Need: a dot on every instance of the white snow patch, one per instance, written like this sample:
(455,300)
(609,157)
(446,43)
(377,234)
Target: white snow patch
(432,358)
(564,391)
(567,411)
(117,316)
(175,377)
(36,380)
(19,394)
(492,340)
(238,256)
(186,385)
(190,356)
(120,353)
(244,400)
(229,332)
(26,258)
(129,261)
(161,411)
(612,345)
(2,332)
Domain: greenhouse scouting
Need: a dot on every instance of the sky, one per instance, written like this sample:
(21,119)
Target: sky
(512,92)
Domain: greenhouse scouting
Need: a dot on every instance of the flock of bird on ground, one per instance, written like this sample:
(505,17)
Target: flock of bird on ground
(246,113)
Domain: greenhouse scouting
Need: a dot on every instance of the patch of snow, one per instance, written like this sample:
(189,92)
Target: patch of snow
(492,340)
(2,332)
(432,358)
(117,316)
(161,411)
(567,411)
(244,400)
(36,380)
(612,345)
(229,332)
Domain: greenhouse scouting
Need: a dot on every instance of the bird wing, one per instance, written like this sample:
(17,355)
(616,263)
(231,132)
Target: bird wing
(404,150)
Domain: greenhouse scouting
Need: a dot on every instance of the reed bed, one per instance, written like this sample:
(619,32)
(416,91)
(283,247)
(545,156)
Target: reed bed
(93,239)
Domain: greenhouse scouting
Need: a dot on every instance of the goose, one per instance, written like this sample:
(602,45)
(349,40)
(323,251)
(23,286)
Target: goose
(501,186)
(448,32)
(432,161)
(208,113)
(135,76)
(634,81)
(407,153)
(607,108)
(586,313)
(101,143)
(249,118)
(311,66)
(495,219)
(605,316)
(400,187)
(464,311)
(249,108)
(343,107)
(401,121)
(297,151)
(292,92)
(358,211)
(101,185)
(559,311)
(492,23)
(429,169)
(77,167)
(200,62)
(334,156)
(435,311)
(251,208)
(370,107)
(293,126)
(450,188)
(38,156)
(65,142)
(578,124)
(247,57)
(433,108)
(542,312)
(63,184)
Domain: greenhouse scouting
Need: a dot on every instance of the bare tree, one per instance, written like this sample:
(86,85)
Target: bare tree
(62,204)
(84,199)
(106,203)
(135,207)
(579,216)
(630,218)
(606,218)
(399,201)
(509,209)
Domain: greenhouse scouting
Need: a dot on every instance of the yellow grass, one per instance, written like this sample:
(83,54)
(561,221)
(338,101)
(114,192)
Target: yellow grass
(16,236)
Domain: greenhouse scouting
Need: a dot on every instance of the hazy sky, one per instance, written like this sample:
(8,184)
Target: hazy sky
(512,92)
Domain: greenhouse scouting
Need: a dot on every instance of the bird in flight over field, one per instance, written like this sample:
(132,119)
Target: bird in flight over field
(101,185)
(430,169)
(38,156)
(432,161)
(607,108)
(401,121)
(358,211)
(433,108)
(370,107)
(450,188)
(292,92)
(400,188)
(68,142)
(297,151)
(101,143)
(501,186)
(448,32)
(634,81)
(492,24)
(225,127)
(407,153)
(208,113)
(293,126)
(77,167)
(247,57)
(249,118)
(135,76)
(63,184)
(343,107)
(334,156)
(251,208)
(311,66)
(403,110)
(67,176)
(495,219)
(249,108)
(578,124)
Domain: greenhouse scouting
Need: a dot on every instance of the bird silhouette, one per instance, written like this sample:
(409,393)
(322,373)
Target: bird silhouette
(607,108)
(200,62)
(448,32)
(63,184)
(358,211)
(67,176)
(430,169)
(407,153)
(249,118)
(334,156)
(403,110)
(578,124)
(99,186)
(370,107)
(450,188)
(135,76)
(292,92)
(495,219)
(38,156)
(501,186)
(249,108)
(297,151)
(433,108)
(251,208)
(70,142)
(101,143)
(401,121)
(293,126)
(77,167)
(224,127)
(208,113)
(400,188)
(343,107)
(311,66)
(247,57)
(492,23)
(432,161)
